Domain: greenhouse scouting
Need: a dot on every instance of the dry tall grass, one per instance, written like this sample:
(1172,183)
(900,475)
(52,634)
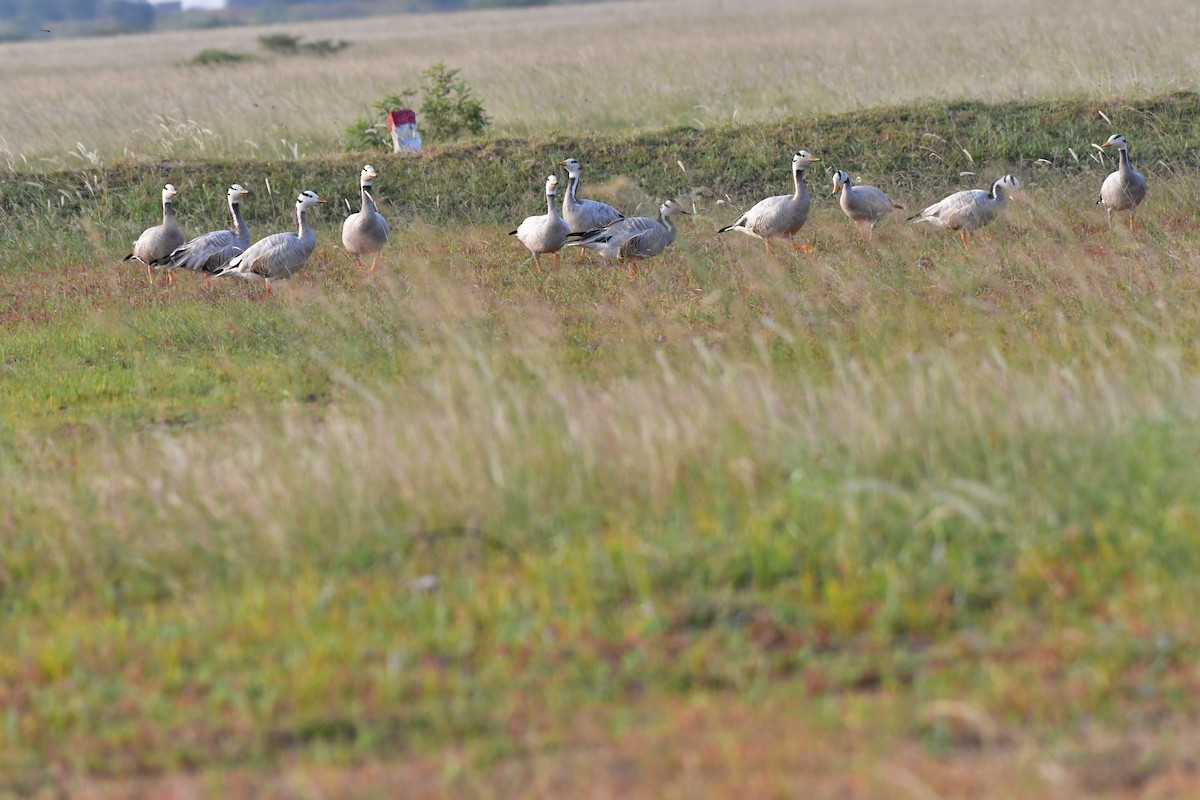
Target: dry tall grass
(584,67)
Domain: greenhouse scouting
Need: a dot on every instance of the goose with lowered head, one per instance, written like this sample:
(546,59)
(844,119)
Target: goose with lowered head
(968,211)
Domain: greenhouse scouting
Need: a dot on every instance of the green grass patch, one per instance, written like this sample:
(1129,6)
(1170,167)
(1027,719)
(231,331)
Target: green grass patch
(214,57)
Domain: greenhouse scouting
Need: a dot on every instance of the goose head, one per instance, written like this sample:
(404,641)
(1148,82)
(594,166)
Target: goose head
(367,177)
(168,192)
(840,179)
(1117,141)
(236,192)
(307,199)
(551,185)
(802,159)
(571,166)
(670,208)
(1007,183)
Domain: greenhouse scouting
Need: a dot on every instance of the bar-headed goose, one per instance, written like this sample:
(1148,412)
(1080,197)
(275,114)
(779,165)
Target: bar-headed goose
(969,210)
(156,243)
(634,238)
(584,215)
(1124,189)
(365,232)
(866,206)
(545,233)
(780,216)
(280,255)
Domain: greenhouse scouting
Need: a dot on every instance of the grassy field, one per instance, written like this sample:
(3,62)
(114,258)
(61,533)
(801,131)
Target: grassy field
(889,520)
(583,68)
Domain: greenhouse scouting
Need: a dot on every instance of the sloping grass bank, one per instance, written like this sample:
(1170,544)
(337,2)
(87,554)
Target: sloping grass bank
(919,150)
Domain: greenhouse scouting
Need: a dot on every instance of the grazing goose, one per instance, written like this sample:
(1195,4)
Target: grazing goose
(209,252)
(156,244)
(866,206)
(546,233)
(584,215)
(1125,188)
(970,210)
(365,232)
(780,216)
(632,239)
(280,255)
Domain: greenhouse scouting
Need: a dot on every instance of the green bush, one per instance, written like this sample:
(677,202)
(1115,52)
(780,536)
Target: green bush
(323,47)
(363,134)
(447,111)
(288,45)
(282,43)
(211,56)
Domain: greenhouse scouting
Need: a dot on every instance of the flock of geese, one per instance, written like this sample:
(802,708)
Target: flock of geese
(280,255)
(583,223)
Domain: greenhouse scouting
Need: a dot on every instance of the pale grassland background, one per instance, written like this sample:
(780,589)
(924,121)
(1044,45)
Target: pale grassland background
(590,67)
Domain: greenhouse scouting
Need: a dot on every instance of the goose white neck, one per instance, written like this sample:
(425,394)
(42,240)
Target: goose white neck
(235,216)
(301,221)
(368,202)
(798,176)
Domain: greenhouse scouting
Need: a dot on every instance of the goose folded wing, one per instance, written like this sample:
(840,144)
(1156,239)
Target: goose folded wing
(642,244)
(266,255)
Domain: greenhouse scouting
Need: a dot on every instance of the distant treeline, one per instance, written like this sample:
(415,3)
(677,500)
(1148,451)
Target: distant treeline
(22,19)
(415,5)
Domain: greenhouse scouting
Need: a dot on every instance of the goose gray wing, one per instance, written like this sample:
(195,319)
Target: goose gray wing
(620,230)
(634,237)
(586,215)
(365,232)
(207,253)
(780,215)
(270,257)
(543,233)
(955,211)
(1121,191)
(646,243)
(867,203)
(762,217)
(156,244)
